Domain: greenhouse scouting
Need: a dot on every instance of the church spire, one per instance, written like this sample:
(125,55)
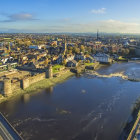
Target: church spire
(97,35)
(65,46)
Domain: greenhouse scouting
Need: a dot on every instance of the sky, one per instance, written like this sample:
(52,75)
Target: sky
(80,16)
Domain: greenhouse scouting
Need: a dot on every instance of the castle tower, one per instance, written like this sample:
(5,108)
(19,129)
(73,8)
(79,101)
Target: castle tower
(49,72)
(7,89)
(25,83)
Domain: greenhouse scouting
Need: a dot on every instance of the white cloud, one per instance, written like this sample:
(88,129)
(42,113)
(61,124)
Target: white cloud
(22,16)
(109,26)
(18,17)
(120,26)
(98,11)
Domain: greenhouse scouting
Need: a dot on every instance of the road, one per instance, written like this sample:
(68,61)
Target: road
(7,132)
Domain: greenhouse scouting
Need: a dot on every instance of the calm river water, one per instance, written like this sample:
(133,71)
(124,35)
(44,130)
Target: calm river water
(81,108)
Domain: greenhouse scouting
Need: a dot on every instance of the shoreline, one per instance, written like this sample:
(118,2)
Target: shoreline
(38,86)
(46,83)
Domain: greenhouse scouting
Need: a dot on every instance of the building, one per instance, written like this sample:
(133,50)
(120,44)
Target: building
(8,66)
(69,58)
(137,51)
(59,60)
(103,58)
(90,59)
(36,47)
(80,57)
(65,48)
(72,63)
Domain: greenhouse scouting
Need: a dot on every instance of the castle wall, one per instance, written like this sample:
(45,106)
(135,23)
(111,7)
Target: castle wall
(8,86)
(15,86)
(37,78)
(27,81)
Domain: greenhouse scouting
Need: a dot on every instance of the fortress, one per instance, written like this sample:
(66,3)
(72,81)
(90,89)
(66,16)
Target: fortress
(9,83)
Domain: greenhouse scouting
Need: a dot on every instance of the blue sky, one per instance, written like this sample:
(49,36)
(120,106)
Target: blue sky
(120,16)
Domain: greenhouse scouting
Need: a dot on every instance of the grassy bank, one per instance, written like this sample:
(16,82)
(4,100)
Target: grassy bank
(89,64)
(38,86)
(57,68)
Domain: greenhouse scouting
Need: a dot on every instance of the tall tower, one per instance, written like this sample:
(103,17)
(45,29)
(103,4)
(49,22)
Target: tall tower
(65,49)
(97,35)
(9,47)
(49,72)
(7,89)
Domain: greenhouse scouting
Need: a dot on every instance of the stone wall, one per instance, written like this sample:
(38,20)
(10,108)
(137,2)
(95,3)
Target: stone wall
(49,72)
(8,85)
(37,78)
(15,86)
(1,87)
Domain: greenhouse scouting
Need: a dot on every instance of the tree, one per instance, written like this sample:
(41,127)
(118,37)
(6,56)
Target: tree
(89,49)
(64,62)
(125,52)
(46,61)
(82,48)
(76,50)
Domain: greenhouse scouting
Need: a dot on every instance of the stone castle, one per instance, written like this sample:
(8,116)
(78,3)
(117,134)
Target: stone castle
(8,85)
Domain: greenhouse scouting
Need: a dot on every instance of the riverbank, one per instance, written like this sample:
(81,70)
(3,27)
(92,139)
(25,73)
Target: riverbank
(132,124)
(38,86)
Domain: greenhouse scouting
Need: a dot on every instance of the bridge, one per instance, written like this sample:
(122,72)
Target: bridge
(7,132)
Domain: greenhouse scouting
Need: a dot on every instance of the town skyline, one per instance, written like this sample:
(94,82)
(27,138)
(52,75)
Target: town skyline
(52,16)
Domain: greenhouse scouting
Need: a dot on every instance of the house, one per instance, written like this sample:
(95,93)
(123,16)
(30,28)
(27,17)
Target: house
(69,58)
(103,58)
(36,47)
(54,50)
(8,66)
(31,66)
(72,63)
(58,60)
(4,60)
(90,59)
(79,57)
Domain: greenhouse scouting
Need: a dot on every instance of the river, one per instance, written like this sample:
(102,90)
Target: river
(87,107)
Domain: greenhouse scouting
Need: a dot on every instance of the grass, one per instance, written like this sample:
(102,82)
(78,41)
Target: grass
(89,64)
(56,68)
(121,58)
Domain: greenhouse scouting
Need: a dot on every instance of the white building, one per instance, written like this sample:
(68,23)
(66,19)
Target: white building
(36,47)
(103,58)
(80,57)
(70,58)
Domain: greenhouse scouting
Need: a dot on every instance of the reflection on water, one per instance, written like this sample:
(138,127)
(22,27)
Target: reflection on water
(86,107)
(25,98)
(49,90)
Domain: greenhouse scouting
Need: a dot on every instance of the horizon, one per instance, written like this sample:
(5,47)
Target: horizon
(75,16)
(69,33)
